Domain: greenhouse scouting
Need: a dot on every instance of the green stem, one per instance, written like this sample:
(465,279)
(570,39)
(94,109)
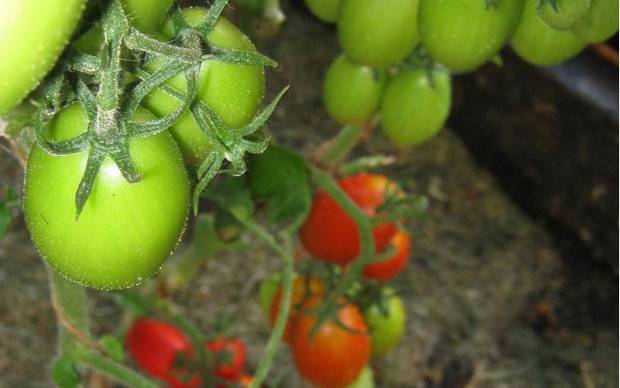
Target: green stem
(285,305)
(118,371)
(367,249)
(341,145)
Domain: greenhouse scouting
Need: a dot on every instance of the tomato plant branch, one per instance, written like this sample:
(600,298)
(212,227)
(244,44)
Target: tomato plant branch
(287,289)
(331,153)
(325,182)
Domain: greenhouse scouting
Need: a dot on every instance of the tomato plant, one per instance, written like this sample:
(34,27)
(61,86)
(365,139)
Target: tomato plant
(161,348)
(126,230)
(378,33)
(32,36)
(415,105)
(385,270)
(234,91)
(464,34)
(600,23)
(333,356)
(386,322)
(229,355)
(540,44)
(330,234)
(352,92)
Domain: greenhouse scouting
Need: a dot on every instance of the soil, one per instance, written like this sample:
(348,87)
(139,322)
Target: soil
(491,300)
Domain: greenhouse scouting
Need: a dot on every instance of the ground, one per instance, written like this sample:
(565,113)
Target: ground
(481,289)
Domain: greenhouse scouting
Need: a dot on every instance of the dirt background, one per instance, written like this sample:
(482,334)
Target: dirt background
(492,300)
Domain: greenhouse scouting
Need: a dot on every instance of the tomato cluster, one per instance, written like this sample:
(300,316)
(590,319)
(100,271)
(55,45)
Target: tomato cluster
(398,54)
(164,351)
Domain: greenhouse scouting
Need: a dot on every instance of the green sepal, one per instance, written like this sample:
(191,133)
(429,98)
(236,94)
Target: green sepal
(64,372)
(113,346)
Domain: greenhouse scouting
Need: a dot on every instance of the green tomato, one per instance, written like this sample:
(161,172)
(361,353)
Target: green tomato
(232,91)
(413,109)
(386,327)
(540,44)
(268,288)
(126,230)
(352,92)
(325,10)
(33,33)
(601,22)
(366,379)
(465,34)
(564,14)
(378,33)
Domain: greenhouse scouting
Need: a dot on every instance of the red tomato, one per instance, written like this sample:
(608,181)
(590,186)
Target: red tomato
(230,353)
(386,269)
(330,234)
(303,289)
(157,346)
(333,357)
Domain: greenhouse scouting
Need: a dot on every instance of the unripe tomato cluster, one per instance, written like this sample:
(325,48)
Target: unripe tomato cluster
(384,69)
(126,230)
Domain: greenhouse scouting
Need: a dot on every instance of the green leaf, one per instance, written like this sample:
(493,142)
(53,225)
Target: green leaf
(113,347)
(64,373)
(281,177)
(232,194)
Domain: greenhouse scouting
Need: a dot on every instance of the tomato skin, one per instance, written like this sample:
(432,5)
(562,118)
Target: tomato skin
(567,15)
(333,357)
(601,22)
(537,43)
(387,269)
(126,230)
(155,346)
(378,33)
(330,234)
(147,15)
(234,347)
(464,34)
(303,289)
(324,10)
(352,92)
(386,330)
(32,36)
(414,110)
(233,91)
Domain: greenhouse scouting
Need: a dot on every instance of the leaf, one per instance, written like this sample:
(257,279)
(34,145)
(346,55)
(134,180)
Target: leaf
(232,194)
(113,347)
(281,177)
(64,373)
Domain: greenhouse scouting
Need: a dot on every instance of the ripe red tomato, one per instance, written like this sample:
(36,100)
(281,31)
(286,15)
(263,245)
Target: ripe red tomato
(387,269)
(157,347)
(303,289)
(230,356)
(333,357)
(330,234)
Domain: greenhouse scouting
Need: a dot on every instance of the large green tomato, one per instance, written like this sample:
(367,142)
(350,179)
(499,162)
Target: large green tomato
(564,14)
(386,327)
(233,91)
(325,10)
(352,92)
(378,33)
(126,230)
(414,108)
(32,35)
(366,379)
(464,34)
(540,44)
(601,22)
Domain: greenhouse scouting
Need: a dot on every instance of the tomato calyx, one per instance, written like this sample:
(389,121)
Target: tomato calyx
(419,58)
(111,107)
